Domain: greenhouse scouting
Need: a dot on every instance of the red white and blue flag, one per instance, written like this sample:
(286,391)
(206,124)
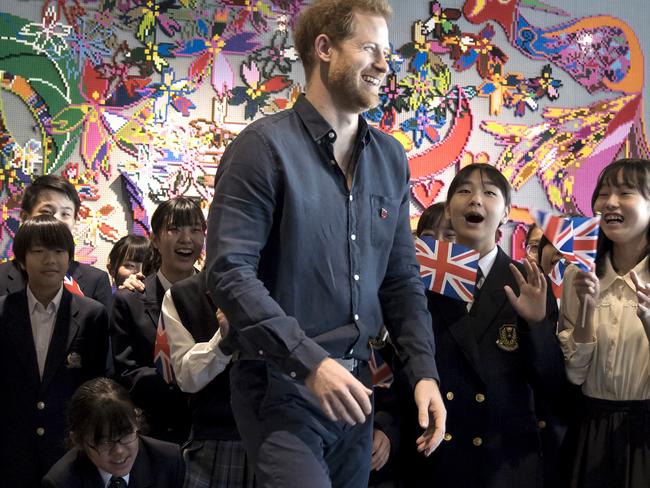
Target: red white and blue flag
(447,268)
(585,241)
(72,286)
(557,229)
(162,354)
(557,278)
(382,376)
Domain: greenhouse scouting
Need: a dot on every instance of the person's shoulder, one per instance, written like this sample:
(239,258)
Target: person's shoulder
(269,125)
(386,140)
(161,450)
(67,472)
(91,270)
(89,305)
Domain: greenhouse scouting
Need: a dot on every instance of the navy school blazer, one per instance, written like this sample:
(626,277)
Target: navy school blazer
(134,321)
(158,465)
(33,424)
(491,364)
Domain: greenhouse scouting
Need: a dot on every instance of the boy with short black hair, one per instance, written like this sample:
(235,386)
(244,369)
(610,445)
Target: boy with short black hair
(53,195)
(51,341)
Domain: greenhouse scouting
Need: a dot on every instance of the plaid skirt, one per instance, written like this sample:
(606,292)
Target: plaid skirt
(217,464)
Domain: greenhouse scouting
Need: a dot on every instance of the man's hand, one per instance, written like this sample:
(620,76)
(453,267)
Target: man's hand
(135,282)
(432,415)
(341,395)
(531,302)
(224,325)
(380,449)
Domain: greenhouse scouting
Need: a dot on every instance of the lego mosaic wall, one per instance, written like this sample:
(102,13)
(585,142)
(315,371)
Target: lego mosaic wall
(135,100)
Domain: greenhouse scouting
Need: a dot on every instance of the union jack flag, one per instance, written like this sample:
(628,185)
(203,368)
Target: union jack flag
(162,354)
(72,286)
(382,376)
(447,268)
(557,229)
(557,278)
(585,241)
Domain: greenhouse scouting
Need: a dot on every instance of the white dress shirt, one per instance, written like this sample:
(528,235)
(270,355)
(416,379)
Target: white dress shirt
(195,365)
(616,365)
(43,319)
(485,265)
(106,477)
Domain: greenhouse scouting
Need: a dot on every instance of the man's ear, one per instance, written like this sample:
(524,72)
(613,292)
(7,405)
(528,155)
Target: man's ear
(506,216)
(323,48)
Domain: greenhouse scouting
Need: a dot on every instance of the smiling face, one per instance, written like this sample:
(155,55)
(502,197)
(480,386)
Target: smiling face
(179,247)
(116,456)
(358,64)
(549,258)
(476,209)
(625,212)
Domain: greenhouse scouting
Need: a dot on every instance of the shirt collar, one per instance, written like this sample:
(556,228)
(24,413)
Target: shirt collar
(487,261)
(318,127)
(33,302)
(166,284)
(611,276)
(106,477)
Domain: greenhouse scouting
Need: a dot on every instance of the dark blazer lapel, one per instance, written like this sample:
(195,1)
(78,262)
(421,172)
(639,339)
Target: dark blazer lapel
(455,317)
(65,329)
(492,298)
(17,280)
(89,474)
(153,297)
(19,329)
(141,476)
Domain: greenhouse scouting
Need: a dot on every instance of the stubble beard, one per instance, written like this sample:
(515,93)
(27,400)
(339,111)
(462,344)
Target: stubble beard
(344,86)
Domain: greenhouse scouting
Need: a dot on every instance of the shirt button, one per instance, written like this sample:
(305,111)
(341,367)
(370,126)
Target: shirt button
(541,424)
(292,374)
(450,395)
(356,316)
(351,198)
(260,352)
(332,162)
(331,135)
(356,277)
(40,405)
(353,237)
(477,441)
(447,436)
(480,398)
(40,431)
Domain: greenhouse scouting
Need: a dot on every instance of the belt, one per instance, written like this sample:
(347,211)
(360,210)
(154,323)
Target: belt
(348,363)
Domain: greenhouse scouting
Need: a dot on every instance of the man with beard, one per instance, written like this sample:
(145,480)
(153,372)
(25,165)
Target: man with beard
(310,252)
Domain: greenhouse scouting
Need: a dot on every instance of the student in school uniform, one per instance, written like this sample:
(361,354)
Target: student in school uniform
(177,235)
(127,257)
(108,450)
(51,341)
(215,455)
(490,353)
(53,195)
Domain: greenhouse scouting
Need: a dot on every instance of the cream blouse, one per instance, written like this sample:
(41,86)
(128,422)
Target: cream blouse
(616,366)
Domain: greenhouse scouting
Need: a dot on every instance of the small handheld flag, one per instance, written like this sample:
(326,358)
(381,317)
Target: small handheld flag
(447,268)
(162,354)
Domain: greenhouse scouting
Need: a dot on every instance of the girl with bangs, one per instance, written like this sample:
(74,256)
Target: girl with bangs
(127,257)
(605,333)
(177,235)
(51,341)
(107,448)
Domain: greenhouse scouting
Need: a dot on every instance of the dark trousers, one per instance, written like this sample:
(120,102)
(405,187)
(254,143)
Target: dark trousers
(289,440)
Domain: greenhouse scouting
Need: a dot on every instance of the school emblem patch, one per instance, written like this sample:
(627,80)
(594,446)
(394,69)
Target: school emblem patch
(73,360)
(508,340)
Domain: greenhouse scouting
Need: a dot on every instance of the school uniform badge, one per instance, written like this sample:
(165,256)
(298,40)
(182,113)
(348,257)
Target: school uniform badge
(73,360)
(508,340)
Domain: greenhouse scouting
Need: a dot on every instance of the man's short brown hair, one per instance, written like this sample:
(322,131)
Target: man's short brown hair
(334,18)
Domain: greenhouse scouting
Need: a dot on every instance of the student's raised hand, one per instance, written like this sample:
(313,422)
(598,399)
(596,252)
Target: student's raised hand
(531,302)
(432,415)
(643,298)
(380,449)
(587,288)
(340,394)
(135,282)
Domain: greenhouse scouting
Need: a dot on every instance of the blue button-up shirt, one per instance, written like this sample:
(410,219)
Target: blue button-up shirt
(304,267)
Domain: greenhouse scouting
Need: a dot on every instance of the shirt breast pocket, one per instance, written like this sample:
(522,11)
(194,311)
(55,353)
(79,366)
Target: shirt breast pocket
(383,219)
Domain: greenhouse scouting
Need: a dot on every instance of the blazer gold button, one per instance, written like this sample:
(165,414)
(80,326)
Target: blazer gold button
(447,436)
(477,441)
(541,424)
(40,405)
(480,397)
(450,395)
(40,431)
